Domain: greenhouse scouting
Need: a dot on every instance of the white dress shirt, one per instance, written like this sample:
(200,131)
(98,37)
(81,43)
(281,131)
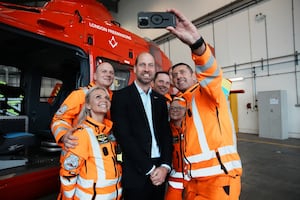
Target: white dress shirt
(146,99)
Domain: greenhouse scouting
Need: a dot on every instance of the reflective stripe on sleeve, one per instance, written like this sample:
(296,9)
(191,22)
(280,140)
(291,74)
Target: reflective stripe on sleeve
(230,149)
(201,68)
(209,79)
(64,127)
(236,164)
(215,170)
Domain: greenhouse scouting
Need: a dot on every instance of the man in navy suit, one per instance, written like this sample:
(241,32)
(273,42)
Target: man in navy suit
(142,129)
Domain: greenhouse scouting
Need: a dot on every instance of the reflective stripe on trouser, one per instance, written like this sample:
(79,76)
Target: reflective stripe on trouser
(69,187)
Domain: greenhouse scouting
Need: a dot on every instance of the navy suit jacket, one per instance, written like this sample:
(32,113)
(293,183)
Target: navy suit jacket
(131,129)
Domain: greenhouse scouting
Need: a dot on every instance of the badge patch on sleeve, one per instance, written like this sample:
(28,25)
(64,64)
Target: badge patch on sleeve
(71,162)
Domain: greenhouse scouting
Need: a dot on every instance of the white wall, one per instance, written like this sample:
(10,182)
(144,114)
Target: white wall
(239,39)
(128,9)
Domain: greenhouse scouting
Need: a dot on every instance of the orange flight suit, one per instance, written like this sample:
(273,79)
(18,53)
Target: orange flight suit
(176,177)
(90,170)
(212,163)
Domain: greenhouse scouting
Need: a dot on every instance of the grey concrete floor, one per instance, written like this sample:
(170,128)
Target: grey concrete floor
(271,168)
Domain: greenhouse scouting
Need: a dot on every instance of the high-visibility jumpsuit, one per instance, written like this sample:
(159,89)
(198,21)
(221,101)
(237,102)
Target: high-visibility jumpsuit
(66,116)
(176,177)
(90,170)
(212,163)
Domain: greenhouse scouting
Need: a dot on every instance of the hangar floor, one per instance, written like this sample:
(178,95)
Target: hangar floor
(271,168)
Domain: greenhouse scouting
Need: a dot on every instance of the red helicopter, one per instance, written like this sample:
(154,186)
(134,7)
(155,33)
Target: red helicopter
(49,49)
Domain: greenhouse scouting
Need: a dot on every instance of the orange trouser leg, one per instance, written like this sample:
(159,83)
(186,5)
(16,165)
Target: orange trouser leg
(214,188)
(173,194)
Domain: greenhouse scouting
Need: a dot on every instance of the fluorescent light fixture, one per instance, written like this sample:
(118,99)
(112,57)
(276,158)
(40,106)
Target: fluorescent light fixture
(236,79)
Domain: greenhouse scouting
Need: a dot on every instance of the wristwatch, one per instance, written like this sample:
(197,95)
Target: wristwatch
(197,44)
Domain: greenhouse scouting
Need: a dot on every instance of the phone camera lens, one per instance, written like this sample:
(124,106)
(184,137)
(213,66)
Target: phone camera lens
(144,21)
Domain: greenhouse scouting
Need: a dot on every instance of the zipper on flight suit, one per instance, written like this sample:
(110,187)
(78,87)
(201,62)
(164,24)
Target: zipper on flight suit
(217,153)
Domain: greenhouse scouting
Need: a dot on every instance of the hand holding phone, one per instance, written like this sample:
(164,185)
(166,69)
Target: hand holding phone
(156,19)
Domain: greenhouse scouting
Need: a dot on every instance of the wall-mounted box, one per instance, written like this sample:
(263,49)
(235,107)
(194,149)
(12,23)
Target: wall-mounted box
(273,114)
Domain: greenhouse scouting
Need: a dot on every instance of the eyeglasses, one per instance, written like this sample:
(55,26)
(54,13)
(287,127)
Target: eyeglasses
(176,108)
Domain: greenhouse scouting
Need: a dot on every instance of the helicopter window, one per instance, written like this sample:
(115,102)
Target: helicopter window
(11,94)
(49,89)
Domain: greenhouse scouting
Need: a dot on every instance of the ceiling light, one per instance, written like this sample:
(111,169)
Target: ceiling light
(236,79)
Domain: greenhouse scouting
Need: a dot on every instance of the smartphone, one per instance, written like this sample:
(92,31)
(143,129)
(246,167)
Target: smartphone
(156,19)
